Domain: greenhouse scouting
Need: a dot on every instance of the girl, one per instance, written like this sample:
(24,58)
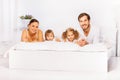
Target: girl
(70,35)
(49,36)
(32,34)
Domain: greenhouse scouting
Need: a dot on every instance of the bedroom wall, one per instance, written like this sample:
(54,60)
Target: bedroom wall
(0,18)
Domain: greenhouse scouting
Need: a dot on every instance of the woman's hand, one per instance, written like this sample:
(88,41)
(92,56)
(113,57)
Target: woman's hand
(58,40)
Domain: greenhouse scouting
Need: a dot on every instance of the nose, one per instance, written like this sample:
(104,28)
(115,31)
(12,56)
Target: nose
(35,28)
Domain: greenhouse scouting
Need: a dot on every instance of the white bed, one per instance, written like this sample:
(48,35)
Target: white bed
(59,56)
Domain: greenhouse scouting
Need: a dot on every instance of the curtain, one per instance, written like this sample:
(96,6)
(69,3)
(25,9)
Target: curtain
(7,20)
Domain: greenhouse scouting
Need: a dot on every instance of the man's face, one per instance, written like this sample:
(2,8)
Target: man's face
(84,22)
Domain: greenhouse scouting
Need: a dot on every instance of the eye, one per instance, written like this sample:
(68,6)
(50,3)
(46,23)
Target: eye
(33,26)
(86,20)
(81,21)
(68,35)
(36,26)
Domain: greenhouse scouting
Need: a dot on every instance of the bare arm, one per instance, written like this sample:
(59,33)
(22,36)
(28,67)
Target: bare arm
(58,40)
(24,36)
(40,36)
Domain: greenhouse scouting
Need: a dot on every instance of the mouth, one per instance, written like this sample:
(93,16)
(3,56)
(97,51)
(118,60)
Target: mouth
(34,31)
(84,25)
(70,39)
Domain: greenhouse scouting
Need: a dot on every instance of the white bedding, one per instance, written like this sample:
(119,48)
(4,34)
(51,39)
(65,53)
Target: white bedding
(61,46)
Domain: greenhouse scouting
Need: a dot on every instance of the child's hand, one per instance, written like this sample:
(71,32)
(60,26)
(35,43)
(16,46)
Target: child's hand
(58,40)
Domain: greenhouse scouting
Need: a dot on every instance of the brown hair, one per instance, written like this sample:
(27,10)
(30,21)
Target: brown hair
(84,14)
(75,32)
(48,32)
(33,20)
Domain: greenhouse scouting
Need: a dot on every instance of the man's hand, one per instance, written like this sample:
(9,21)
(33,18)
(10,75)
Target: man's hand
(82,42)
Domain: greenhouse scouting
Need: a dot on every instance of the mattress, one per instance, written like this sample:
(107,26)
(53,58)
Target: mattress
(64,56)
(58,46)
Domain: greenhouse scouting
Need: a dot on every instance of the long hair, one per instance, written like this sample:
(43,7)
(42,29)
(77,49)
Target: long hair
(33,20)
(75,32)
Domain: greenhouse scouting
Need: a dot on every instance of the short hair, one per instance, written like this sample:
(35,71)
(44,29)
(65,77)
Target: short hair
(48,32)
(84,14)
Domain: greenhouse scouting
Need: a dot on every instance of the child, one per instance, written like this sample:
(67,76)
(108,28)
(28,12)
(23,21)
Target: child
(70,35)
(49,36)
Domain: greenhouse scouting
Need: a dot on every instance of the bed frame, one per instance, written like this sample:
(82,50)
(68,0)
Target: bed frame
(59,60)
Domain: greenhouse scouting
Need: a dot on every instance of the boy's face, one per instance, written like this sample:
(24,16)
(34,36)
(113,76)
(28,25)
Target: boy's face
(70,36)
(50,36)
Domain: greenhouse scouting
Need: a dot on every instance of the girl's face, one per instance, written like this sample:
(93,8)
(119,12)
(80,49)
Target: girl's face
(33,27)
(50,36)
(70,36)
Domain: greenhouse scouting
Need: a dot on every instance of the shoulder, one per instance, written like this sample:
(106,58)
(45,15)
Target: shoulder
(40,31)
(24,31)
(95,28)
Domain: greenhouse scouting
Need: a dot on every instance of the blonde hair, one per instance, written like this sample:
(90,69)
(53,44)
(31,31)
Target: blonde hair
(48,32)
(75,32)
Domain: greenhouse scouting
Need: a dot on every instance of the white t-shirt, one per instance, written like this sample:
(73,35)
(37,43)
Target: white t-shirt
(93,35)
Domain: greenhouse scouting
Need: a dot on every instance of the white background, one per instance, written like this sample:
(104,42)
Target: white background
(59,15)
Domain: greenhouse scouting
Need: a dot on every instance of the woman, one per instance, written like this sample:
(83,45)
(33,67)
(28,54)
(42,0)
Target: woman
(32,34)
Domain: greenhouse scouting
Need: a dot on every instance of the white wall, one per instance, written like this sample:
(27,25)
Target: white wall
(1,28)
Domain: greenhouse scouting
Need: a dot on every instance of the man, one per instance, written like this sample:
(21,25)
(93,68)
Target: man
(89,33)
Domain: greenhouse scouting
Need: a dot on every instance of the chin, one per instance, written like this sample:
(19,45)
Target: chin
(33,32)
(71,40)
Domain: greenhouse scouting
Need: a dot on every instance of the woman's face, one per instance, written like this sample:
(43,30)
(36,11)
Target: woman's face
(50,36)
(33,27)
(70,36)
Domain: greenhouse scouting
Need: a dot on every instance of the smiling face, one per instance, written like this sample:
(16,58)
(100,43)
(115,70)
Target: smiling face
(33,27)
(49,36)
(70,36)
(84,22)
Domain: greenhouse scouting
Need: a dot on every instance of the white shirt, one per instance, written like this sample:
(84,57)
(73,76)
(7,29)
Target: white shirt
(93,35)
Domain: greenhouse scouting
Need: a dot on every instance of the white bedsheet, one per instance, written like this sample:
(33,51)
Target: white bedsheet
(62,46)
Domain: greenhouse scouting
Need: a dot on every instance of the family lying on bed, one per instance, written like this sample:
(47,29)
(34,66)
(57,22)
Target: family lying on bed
(88,35)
